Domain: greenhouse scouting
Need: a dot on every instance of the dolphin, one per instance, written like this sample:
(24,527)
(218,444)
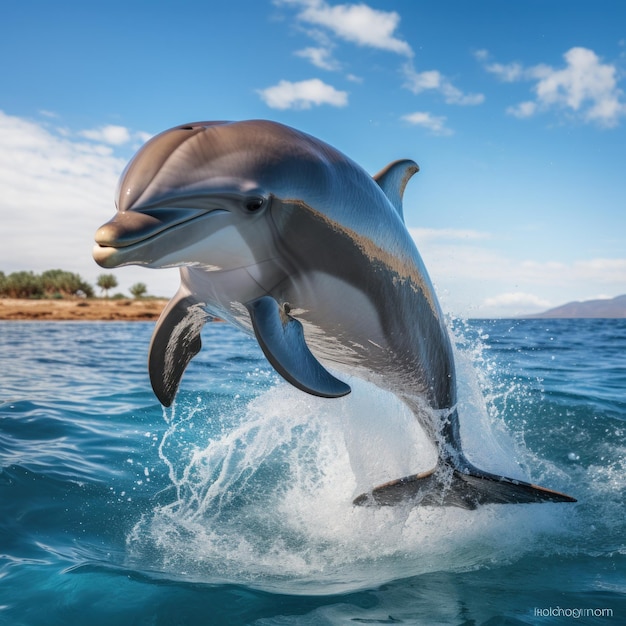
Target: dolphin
(288,239)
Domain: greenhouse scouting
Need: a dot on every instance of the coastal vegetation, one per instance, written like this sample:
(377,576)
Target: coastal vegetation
(106,282)
(59,284)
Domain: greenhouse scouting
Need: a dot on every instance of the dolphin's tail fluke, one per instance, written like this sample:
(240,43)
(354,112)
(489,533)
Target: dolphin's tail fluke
(467,488)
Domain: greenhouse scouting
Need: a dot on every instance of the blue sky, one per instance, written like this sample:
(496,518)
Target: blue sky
(515,111)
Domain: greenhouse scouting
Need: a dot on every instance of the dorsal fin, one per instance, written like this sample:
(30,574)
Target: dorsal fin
(393,179)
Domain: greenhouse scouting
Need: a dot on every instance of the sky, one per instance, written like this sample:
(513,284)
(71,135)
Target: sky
(515,112)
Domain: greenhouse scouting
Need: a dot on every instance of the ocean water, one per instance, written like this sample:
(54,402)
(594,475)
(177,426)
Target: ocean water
(234,506)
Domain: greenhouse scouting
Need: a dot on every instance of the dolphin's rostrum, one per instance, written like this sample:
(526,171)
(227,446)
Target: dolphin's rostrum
(285,237)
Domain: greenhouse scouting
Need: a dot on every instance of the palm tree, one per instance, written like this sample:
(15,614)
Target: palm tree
(138,290)
(106,282)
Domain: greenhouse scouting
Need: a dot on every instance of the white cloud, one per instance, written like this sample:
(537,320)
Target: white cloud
(320,57)
(354,79)
(113,135)
(56,191)
(601,270)
(508,73)
(417,82)
(474,277)
(585,87)
(516,302)
(356,23)
(434,123)
(523,109)
(481,55)
(302,95)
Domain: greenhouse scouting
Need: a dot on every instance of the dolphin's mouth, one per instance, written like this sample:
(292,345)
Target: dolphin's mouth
(118,239)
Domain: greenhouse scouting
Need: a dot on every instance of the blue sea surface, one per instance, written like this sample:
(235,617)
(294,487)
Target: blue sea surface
(234,506)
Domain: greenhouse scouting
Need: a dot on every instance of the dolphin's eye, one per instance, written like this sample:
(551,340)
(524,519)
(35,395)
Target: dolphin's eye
(254,204)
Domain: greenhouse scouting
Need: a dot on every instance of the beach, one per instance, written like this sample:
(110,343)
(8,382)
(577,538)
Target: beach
(92,309)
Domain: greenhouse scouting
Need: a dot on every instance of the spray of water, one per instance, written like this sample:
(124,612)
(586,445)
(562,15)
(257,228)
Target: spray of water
(264,491)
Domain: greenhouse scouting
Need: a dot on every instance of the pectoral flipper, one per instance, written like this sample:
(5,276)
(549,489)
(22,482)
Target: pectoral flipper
(281,338)
(175,341)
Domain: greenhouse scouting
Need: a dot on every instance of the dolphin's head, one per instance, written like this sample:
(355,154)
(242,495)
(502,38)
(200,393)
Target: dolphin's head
(200,195)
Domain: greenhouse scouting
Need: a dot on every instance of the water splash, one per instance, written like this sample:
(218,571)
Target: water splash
(264,491)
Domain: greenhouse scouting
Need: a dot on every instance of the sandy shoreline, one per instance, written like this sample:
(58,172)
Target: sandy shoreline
(96,309)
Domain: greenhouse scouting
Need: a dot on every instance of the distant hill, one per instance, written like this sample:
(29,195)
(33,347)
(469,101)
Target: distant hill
(613,308)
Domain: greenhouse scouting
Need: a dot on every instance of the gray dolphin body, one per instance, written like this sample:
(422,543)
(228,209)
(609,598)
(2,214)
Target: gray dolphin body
(286,238)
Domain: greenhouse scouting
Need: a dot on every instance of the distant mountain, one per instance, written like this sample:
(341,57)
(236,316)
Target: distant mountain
(613,308)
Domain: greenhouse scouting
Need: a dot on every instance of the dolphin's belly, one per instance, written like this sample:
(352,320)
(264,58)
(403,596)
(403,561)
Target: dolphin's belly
(348,330)
(224,293)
